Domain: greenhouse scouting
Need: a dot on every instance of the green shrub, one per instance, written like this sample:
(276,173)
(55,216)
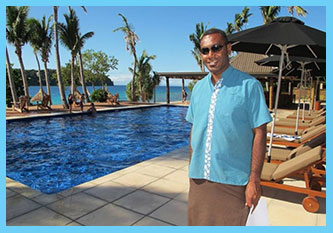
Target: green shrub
(129,91)
(191,85)
(99,95)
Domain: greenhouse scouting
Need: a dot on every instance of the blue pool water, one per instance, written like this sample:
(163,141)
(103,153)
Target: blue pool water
(55,154)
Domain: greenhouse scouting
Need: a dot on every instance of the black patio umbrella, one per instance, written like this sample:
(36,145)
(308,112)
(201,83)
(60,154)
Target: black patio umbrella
(293,65)
(283,36)
(297,66)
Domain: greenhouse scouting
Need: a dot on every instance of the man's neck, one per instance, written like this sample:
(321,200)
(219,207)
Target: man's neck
(216,77)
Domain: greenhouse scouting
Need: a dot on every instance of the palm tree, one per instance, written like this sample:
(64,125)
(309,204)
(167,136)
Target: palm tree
(200,28)
(240,20)
(45,35)
(269,13)
(18,33)
(131,38)
(245,16)
(69,38)
(36,43)
(57,55)
(143,72)
(81,41)
(11,80)
(230,28)
(300,11)
(156,81)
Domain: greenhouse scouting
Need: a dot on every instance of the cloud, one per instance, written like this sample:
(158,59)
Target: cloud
(120,79)
(123,79)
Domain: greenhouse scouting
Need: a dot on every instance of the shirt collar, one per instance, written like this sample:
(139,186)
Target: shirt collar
(225,75)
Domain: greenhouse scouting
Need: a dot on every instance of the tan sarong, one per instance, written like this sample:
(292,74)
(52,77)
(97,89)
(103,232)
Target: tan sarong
(215,204)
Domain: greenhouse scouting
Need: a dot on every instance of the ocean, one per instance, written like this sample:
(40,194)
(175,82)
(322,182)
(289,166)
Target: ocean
(175,92)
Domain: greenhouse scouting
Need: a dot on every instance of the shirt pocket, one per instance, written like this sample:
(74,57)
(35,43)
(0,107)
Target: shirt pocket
(232,106)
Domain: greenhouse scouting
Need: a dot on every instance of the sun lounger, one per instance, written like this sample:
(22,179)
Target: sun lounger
(291,131)
(283,154)
(315,132)
(307,117)
(291,123)
(45,103)
(113,99)
(273,174)
(109,97)
(22,105)
(312,112)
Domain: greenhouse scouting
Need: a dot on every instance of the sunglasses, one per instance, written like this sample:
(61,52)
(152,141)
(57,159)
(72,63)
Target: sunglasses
(215,48)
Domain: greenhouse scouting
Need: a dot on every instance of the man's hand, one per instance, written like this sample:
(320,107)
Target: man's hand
(253,189)
(252,193)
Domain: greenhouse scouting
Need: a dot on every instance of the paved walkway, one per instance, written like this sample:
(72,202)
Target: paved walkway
(151,193)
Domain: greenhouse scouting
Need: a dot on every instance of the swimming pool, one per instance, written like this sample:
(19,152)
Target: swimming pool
(55,154)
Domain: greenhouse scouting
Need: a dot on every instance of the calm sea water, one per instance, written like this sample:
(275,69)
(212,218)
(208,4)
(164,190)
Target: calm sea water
(175,92)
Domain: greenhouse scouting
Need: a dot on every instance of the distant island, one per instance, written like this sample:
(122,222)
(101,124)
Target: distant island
(34,81)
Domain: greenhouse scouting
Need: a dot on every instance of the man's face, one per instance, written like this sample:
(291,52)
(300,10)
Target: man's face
(217,59)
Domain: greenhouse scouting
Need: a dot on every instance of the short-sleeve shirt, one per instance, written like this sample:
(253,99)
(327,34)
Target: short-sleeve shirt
(222,126)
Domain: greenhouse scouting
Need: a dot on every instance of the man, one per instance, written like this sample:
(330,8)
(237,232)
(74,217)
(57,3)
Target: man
(228,113)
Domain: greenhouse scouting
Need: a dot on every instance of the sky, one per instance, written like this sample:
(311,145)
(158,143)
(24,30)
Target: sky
(163,31)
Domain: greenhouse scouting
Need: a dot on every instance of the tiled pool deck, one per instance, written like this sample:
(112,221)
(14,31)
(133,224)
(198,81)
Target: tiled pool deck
(151,193)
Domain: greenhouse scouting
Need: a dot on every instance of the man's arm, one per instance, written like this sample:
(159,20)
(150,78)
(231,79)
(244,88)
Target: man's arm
(190,147)
(253,189)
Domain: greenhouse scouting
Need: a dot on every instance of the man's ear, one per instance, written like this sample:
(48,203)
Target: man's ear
(229,48)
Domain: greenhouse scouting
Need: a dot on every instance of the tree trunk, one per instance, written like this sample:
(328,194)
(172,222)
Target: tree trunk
(10,79)
(39,75)
(133,80)
(24,77)
(84,87)
(72,75)
(56,46)
(102,84)
(47,81)
(140,89)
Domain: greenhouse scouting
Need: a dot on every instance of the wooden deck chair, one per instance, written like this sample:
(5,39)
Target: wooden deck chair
(45,103)
(284,154)
(77,97)
(315,132)
(22,104)
(109,97)
(272,175)
(307,117)
(313,112)
(291,123)
(115,99)
(291,131)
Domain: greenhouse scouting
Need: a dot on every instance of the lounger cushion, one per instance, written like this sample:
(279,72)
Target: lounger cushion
(317,141)
(292,122)
(268,170)
(318,121)
(280,154)
(284,130)
(312,133)
(297,163)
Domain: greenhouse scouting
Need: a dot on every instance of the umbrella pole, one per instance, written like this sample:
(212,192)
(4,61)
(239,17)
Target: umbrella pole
(304,96)
(299,98)
(283,51)
(310,104)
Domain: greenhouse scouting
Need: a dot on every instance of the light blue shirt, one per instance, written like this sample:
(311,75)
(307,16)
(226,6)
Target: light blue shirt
(222,120)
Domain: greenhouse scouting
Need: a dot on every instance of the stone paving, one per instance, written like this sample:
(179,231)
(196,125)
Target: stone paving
(150,193)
